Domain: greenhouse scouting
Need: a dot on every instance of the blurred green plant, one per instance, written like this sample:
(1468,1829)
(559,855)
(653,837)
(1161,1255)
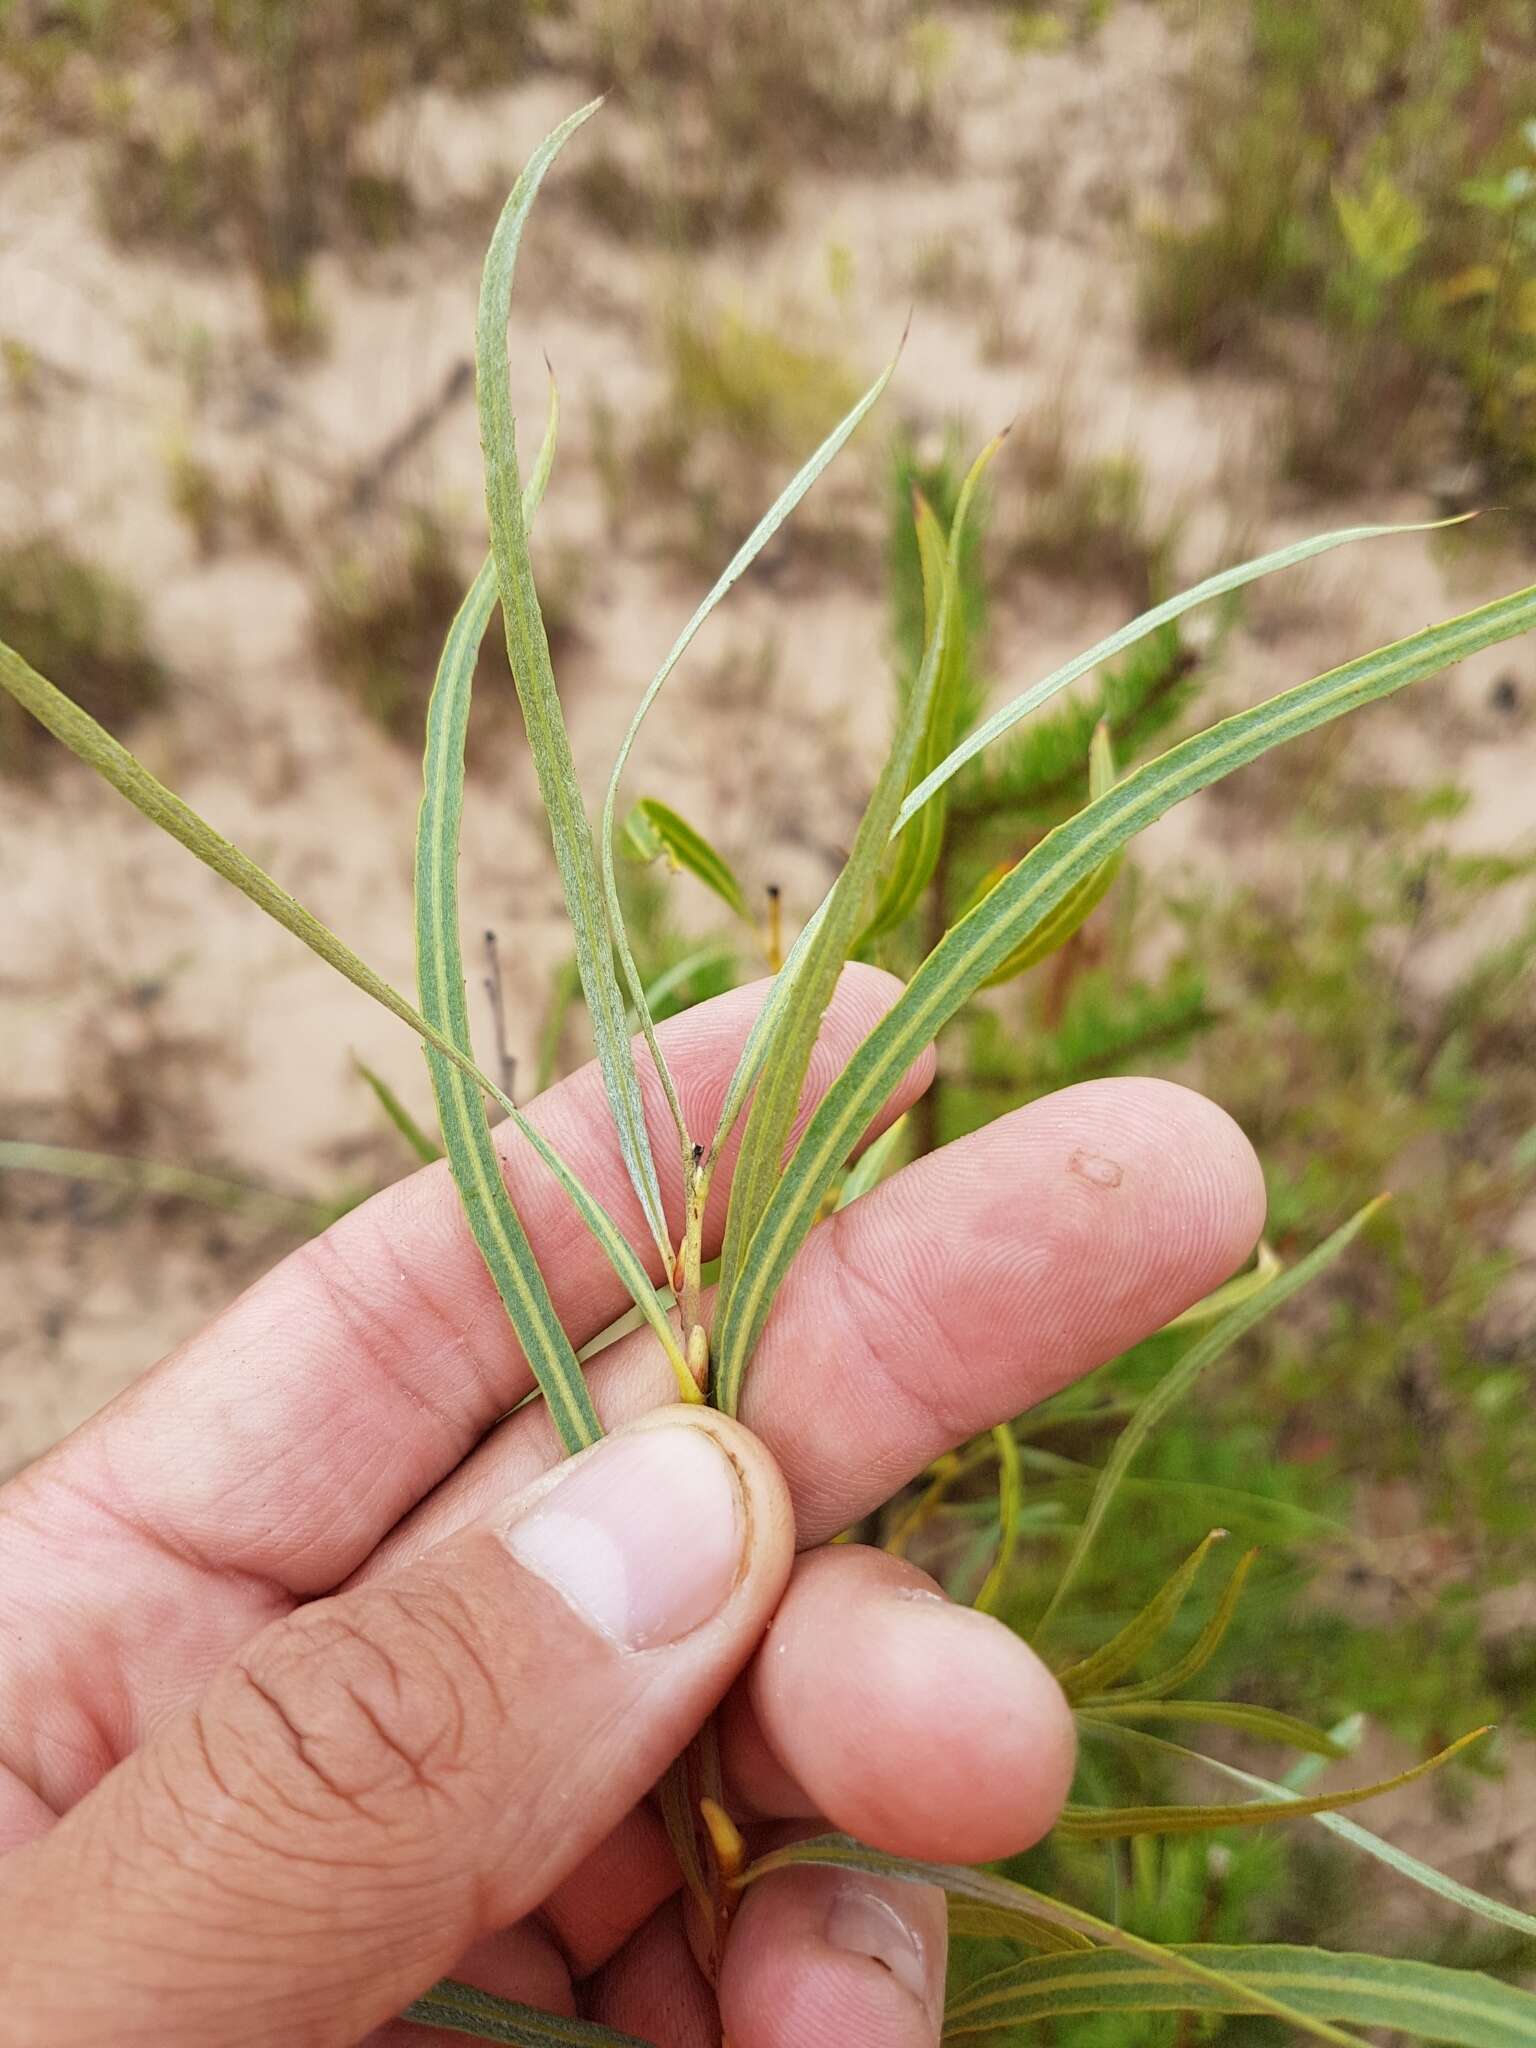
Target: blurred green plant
(75,617)
(1371,164)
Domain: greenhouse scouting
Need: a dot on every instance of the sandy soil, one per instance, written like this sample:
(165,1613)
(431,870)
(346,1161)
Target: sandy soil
(141,999)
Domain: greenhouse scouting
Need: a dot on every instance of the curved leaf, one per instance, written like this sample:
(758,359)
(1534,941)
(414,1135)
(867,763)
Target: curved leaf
(465,2009)
(1138,629)
(1265,1724)
(1095,1824)
(917,852)
(809,984)
(1423,1999)
(1106,1663)
(472,1153)
(528,652)
(979,943)
(743,558)
(654,828)
(1002,1896)
(1423,1874)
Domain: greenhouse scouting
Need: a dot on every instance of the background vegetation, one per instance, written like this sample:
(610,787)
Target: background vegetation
(1268,266)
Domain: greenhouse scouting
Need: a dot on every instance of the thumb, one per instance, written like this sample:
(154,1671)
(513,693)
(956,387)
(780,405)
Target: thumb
(380,1778)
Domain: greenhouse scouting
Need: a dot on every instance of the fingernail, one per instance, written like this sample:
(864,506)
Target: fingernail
(643,1537)
(865,1923)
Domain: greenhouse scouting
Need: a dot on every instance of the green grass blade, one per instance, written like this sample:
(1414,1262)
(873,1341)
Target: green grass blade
(810,990)
(528,650)
(427,1150)
(1411,1867)
(1105,1824)
(653,830)
(465,2009)
(1265,1724)
(1105,1665)
(981,941)
(1424,2000)
(160,1177)
(1001,1894)
(1172,608)
(739,563)
(1179,1379)
(472,1154)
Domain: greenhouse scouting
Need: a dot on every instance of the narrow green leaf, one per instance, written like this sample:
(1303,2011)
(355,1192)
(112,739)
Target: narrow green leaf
(1092,1674)
(672,978)
(471,1151)
(425,1148)
(160,1177)
(742,560)
(465,2009)
(653,829)
(980,942)
(1425,2000)
(1103,1824)
(528,650)
(1003,1896)
(1265,1724)
(1177,1382)
(1196,1657)
(917,852)
(971,1919)
(1411,1867)
(1138,629)
(810,989)
(1010,1502)
(1264,1269)
(872,1164)
(1060,924)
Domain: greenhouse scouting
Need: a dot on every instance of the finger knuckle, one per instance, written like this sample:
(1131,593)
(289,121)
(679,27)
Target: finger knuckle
(371,1708)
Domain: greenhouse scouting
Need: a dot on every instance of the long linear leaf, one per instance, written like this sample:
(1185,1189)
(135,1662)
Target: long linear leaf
(917,852)
(1426,2000)
(1004,1896)
(970,1919)
(161,1177)
(739,563)
(528,650)
(1010,1502)
(465,2009)
(1196,1658)
(1096,1824)
(1178,1380)
(980,942)
(773,1109)
(425,1148)
(1172,608)
(1106,1663)
(472,1154)
(1410,1867)
(1265,1724)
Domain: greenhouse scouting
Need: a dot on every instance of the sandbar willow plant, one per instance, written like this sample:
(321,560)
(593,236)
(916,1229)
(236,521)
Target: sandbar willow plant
(1072,1960)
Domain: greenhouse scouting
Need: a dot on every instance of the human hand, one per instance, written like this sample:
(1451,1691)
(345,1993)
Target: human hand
(318,1681)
